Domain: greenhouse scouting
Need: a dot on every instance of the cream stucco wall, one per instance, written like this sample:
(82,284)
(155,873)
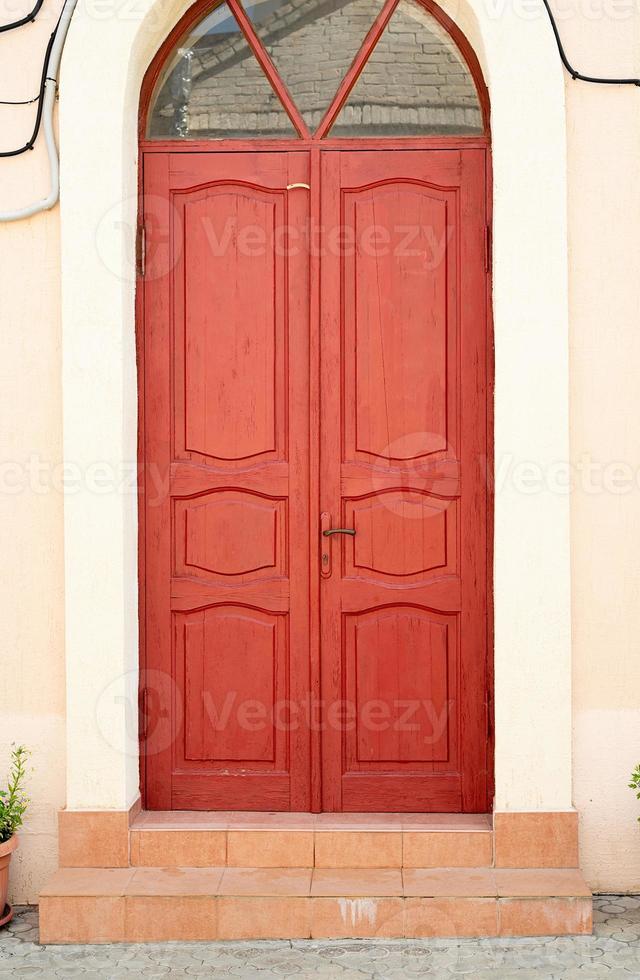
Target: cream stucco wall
(32,690)
(604,222)
(32,695)
(603,146)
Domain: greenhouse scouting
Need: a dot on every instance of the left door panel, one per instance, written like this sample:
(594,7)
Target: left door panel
(224,436)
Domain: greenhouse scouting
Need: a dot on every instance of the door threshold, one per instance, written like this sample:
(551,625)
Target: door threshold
(254,820)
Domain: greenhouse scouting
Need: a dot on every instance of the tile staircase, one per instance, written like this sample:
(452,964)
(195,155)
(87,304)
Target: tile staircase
(207,876)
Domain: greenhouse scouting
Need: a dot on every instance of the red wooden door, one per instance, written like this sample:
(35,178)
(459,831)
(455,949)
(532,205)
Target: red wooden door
(403,453)
(225,435)
(231,527)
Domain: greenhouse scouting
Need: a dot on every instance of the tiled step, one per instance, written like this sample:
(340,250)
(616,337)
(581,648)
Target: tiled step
(306,840)
(153,904)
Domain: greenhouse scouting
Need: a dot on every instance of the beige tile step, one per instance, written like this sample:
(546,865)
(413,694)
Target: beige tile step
(325,840)
(161,904)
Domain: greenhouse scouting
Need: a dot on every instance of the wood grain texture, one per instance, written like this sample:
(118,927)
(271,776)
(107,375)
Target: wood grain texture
(227,497)
(403,388)
(346,376)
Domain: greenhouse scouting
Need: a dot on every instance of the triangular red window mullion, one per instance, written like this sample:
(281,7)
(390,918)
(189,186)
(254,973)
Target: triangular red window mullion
(268,67)
(357,66)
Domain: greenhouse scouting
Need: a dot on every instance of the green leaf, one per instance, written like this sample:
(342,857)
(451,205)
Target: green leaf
(13,802)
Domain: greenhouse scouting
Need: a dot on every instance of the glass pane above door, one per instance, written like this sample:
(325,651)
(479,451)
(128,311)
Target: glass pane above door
(250,67)
(415,83)
(213,87)
(312,43)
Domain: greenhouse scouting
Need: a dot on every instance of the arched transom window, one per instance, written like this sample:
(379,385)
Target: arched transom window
(339,68)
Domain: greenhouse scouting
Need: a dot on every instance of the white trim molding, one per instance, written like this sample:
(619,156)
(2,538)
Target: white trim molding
(107,52)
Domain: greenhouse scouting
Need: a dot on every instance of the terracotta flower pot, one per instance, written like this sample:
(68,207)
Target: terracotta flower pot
(6,850)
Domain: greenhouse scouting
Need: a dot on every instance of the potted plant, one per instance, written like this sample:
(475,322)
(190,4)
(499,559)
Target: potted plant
(635,782)
(13,804)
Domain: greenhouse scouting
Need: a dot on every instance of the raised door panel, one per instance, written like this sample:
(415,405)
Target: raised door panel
(396,320)
(401,674)
(231,533)
(233,666)
(230,329)
(400,535)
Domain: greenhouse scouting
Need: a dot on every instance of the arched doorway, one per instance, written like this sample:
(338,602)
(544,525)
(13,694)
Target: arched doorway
(315,414)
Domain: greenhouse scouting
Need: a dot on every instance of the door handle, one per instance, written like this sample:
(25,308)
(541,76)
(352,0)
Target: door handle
(292,187)
(325,545)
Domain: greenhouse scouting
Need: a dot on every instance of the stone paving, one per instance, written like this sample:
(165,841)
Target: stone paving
(612,953)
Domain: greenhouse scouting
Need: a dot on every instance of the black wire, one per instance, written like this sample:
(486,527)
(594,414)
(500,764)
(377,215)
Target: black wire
(23,102)
(43,81)
(36,129)
(573,71)
(24,20)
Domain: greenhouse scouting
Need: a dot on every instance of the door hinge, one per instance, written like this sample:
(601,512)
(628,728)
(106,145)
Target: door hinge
(141,249)
(487,248)
(144,712)
(489,718)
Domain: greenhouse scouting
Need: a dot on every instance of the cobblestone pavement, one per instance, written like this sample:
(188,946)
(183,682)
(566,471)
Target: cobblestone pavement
(612,953)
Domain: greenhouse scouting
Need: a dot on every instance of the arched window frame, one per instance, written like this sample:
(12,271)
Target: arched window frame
(203,8)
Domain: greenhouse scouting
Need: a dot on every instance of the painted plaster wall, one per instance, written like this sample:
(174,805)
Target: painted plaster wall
(31,582)
(604,221)
(604,217)
(32,695)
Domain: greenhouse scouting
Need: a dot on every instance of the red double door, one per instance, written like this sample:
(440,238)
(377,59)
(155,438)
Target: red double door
(313,359)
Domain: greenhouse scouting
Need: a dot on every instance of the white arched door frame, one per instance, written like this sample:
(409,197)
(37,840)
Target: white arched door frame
(107,52)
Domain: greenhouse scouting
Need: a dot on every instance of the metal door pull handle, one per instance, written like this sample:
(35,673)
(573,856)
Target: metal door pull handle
(291,187)
(339,530)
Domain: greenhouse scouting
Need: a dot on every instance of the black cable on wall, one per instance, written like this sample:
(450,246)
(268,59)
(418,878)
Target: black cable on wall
(31,16)
(575,74)
(574,71)
(36,126)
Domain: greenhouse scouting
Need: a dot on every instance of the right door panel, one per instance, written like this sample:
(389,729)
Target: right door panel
(403,463)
